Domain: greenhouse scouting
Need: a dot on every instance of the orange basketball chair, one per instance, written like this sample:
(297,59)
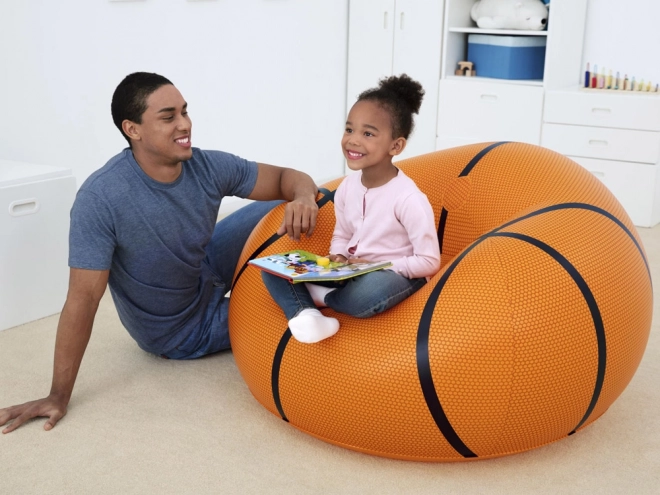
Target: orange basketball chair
(534,325)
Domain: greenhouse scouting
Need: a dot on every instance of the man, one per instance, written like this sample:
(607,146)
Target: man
(145,224)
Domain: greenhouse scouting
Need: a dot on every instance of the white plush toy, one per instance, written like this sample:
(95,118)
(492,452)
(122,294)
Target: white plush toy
(510,14)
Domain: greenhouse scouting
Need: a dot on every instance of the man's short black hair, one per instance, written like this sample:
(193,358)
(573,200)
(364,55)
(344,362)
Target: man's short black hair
(129,100)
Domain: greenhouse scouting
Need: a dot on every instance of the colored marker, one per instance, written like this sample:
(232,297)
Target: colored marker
(594,77)
(587,78)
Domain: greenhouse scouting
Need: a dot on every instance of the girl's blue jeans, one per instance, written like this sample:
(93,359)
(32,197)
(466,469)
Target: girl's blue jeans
(362,296)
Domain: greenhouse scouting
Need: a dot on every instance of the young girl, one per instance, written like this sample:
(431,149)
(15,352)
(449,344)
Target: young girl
(381,216)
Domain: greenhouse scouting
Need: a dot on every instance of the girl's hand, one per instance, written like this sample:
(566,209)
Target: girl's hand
(337,258)
(358,260)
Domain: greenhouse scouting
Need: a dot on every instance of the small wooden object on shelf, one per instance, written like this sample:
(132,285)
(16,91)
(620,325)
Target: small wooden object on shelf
(466,69)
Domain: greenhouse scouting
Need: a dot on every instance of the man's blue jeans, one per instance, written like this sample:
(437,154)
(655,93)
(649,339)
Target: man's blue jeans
(362,296)
(222,256)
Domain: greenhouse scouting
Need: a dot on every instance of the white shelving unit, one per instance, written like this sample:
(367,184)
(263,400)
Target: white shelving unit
(390,37)
(475,109)
(616,136)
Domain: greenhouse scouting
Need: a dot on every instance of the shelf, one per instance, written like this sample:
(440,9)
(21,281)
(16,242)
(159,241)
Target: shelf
(619,91)
(522,82)
(513,32)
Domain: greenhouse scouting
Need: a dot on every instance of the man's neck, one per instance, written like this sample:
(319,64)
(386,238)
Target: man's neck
(161,172)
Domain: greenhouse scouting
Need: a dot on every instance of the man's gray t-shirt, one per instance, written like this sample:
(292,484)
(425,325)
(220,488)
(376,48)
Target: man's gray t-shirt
(152,237)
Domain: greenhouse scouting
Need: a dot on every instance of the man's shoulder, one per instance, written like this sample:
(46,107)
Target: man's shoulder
(224,169)
(111,172)
(213,158)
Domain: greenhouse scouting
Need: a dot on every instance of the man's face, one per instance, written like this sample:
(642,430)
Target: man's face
(164,136)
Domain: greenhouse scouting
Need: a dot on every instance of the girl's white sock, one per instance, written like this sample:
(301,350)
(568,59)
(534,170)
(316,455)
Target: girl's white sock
(311,326)
(318,293)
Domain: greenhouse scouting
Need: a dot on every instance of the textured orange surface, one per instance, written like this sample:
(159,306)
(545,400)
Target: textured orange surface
(535,324)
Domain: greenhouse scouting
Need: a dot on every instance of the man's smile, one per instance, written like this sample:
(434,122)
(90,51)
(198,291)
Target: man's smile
(184,141)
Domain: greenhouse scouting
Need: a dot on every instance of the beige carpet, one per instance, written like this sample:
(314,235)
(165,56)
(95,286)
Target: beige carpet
(141,424)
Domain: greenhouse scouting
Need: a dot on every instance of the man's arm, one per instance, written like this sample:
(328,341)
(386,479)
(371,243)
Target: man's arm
(296,187)
(86,287)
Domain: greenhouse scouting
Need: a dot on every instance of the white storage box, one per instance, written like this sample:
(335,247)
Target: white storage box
(35,203)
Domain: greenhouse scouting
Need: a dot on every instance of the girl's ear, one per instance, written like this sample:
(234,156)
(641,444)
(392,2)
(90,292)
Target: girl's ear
(131,129)
(398,145)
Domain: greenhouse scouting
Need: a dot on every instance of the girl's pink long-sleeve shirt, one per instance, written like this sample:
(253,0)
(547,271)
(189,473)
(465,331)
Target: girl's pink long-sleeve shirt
(393,222)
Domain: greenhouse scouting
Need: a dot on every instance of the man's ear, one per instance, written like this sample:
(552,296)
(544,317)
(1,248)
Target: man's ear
(131,129)
(398,145)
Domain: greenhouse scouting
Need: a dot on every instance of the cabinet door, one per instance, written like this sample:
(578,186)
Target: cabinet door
(635,185)
(624,110)
(602,142)
(474,111)
(417,52)
(370,41)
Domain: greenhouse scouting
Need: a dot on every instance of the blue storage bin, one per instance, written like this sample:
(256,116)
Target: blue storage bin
(507,57)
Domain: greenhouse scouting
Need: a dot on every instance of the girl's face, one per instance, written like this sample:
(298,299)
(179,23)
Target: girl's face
(367,140)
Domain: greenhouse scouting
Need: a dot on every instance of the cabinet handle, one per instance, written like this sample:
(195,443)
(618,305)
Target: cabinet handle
(489,97)
(401,20)
(23,207)
(598,142)
(385,19)
(600,175)
(601,111)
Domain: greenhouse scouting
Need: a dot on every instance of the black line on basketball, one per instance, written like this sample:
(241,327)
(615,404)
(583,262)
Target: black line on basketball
(582,206)
(275,374)
(441,228)
(468,168)
(327,196)
(423,360)
(593,309)
(281,346)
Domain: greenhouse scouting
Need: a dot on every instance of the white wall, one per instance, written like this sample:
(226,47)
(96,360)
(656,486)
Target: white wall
(264,79)
(623,35)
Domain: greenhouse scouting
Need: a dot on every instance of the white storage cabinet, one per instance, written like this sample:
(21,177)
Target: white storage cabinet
(35,203)
(477,109)
(614,135)
(391,37)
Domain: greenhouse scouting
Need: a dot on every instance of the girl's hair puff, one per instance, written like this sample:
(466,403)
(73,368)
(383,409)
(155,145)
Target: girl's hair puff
(401,96)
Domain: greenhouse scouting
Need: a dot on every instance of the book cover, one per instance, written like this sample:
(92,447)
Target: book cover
(302,266)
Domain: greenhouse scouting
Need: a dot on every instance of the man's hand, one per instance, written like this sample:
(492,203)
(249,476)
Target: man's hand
(86,287)
(296,187)
(51,407)
(299,218)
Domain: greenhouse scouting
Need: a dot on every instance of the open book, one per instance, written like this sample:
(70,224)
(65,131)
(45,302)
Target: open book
(303,266)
